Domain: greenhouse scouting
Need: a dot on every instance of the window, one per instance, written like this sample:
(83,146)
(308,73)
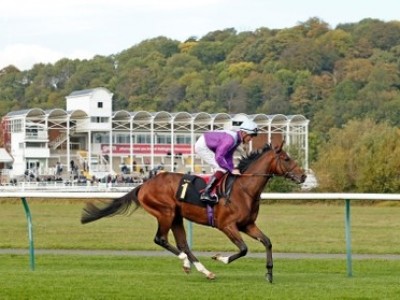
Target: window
(99,119)
(183,139)
(16,125)
(100,138)
(163,139)
(99,104)
(35,145)
(143,139)
(121,139)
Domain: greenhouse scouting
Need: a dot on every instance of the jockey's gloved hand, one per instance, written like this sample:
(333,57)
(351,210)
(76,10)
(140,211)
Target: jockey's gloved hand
(235,172)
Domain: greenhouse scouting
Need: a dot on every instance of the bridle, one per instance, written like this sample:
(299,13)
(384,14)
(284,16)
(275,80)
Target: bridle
(288,174)
(278,161)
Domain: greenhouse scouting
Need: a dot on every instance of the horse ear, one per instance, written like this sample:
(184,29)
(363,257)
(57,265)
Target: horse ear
(278,148)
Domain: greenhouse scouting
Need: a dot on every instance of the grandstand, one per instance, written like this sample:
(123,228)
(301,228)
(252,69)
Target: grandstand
(88,139)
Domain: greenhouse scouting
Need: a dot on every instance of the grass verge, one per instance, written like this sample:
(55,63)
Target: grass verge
(99,277)
(312,228)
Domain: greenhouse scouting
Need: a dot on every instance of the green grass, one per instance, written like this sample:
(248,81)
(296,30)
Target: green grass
(313,228)
(100,277)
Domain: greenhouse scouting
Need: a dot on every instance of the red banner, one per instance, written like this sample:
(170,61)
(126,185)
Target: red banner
(159,149)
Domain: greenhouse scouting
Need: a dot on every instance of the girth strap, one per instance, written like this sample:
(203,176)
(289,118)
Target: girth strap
(210,215)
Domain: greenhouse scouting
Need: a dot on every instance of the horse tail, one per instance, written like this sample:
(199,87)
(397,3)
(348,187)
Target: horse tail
(117,206)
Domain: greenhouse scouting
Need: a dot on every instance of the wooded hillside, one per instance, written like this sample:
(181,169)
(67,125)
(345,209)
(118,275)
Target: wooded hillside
(330,75)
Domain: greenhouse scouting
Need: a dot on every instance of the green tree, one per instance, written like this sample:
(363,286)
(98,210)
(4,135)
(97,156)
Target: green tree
(251,47)
(382,35)
(209,53)
(92,73)
(275,96)
(253,87)
(363,156)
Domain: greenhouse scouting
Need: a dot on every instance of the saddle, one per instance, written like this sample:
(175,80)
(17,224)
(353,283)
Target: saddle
(191,187)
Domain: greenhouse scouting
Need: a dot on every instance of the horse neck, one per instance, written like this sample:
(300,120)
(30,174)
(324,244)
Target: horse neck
(258,173)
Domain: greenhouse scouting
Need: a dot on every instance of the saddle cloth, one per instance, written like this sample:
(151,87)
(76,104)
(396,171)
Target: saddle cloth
(191,187)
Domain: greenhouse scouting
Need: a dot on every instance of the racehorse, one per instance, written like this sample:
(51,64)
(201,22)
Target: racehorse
(232,215)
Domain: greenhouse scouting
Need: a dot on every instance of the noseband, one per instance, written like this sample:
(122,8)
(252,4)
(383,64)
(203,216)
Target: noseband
(288,174)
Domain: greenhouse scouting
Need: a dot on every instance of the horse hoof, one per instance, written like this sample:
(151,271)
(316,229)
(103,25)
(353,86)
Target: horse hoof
(186,270)
(269,278)
(216,256)
(211,276)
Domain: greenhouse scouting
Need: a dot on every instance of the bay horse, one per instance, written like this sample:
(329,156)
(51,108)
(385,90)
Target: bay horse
(232,215)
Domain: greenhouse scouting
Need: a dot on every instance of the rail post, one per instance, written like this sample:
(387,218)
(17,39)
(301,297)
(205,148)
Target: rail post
(30,233)
(348,239)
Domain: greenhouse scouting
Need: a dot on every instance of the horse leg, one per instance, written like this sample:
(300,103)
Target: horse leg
(186,254)
(161,239)
(254,232)
(181,243)
(233,234)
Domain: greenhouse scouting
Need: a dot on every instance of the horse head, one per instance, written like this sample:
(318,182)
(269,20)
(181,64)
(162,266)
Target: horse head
(272,160)
(284,165)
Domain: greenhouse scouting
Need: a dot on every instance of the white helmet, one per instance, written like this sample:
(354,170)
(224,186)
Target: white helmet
(249,127)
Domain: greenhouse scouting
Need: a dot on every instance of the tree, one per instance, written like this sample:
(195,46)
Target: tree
(313,27)
(253,87)
(382,35)
(180,64)
(338,40)
(92,73)
(209,52)
(231,95)
(251,47)
(363,156)
(275,96)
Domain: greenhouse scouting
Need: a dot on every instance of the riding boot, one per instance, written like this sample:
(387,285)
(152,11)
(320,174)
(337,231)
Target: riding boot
(206,195)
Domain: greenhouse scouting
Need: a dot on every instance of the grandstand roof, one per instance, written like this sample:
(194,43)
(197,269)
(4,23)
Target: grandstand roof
(163,117)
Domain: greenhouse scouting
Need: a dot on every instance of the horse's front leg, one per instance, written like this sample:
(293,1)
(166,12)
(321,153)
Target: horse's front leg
(233,234)
(186,254)
(253,231)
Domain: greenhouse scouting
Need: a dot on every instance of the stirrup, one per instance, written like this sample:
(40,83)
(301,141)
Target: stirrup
(206,197)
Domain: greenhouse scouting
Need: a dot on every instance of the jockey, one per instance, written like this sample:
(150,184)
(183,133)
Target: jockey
(217,147)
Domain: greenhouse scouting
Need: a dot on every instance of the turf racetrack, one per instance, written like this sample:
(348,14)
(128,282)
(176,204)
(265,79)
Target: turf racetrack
(122,277)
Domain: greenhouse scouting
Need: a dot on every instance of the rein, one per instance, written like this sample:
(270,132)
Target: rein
(258,174)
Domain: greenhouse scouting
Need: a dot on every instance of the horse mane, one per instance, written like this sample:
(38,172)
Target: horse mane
(245,161)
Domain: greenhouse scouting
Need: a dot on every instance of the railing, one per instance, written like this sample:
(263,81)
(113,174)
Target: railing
(109,194)
(40,135)
(54,186)
(58,141)
(347,197)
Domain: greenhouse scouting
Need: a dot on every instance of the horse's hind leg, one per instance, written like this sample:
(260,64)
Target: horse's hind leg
(186,255)
(161,239)
(257,234)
